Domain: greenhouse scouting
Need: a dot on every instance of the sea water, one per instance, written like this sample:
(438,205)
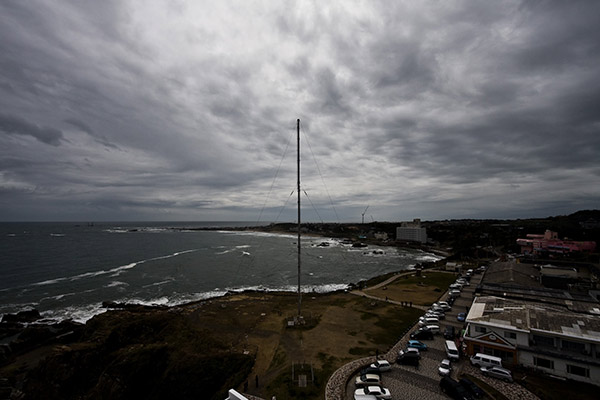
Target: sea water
(66,270)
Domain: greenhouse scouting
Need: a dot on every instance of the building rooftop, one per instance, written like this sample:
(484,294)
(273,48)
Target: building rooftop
(525,275)
(533,317)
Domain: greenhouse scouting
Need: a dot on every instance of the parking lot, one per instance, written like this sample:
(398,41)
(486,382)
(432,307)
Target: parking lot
(422,382)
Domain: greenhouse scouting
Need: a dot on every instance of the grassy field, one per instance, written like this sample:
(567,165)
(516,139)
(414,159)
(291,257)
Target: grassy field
(420,290)
(340,327)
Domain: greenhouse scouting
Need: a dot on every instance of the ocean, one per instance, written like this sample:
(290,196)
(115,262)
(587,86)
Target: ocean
(66,270)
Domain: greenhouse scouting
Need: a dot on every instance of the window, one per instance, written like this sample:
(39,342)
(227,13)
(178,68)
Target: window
(510,335)
(480,329)
(577,370)
(573,346)
(543,363)
(543,340)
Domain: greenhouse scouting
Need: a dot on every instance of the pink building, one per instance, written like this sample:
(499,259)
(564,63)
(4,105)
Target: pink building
(549,242)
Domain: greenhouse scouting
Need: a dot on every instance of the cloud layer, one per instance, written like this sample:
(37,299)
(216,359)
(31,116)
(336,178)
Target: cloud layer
(182,110)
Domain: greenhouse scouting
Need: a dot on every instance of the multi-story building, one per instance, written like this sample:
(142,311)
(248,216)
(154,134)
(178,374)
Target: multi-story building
(411,231)
(546,337)
(550,243)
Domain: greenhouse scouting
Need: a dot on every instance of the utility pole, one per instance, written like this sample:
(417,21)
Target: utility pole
(299,247)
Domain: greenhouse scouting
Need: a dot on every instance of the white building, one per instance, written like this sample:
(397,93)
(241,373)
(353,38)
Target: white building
(545,337)
(411,231)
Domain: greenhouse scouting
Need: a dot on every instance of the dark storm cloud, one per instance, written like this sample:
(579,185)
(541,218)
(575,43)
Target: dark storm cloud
(85,128)
(13,125)
(421,109)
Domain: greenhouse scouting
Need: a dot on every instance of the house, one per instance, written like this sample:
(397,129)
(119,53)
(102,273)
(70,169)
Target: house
(546,337)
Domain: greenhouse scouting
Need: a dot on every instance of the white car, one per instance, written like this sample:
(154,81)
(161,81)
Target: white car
(428,321)
(377,392)
(445,368)
(435,329)
(497,372)
(412,350)
(367,379)
(381,365)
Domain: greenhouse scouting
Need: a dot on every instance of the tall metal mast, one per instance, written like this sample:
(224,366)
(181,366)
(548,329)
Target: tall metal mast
(299,256)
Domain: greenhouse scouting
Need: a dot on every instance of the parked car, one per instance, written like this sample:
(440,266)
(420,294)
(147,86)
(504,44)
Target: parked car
(367,379)
(435,329)
(422,334)
(454,389)
(449,332)
(381,365)
(461,316)
(472,388)
(364,397)
(497,372)
(370,370)
(428,321)
(444,305)
(438,314)
(436,309)
(485,360)
(377,391)
(408,358)
(454,293)
(445,368)
(430,314)
(417,345)
(411,350)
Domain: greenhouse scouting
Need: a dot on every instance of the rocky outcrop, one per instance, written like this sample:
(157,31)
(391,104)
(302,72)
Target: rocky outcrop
(22,317)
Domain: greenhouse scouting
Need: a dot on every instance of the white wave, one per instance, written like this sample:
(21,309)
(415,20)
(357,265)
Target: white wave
(116,283)
(158,283)
(57,297)
(267,234)
(57,234)
(243,246)
(114,271)
(48,282)
(224,252)
(428,257)
(322,288)
(80,314)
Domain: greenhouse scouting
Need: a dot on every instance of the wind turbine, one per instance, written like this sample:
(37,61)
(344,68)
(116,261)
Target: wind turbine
(363,214)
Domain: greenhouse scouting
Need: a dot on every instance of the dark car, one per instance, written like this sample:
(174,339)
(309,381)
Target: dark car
(461,316)
(449,332)
(408,358)
(370,370)
(475,390)
(422,334)
(454,389)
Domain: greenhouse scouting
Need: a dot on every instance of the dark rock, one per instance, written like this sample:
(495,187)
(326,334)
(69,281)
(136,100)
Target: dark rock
(22,316)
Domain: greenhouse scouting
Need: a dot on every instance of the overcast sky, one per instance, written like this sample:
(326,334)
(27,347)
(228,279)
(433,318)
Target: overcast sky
(186,110)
